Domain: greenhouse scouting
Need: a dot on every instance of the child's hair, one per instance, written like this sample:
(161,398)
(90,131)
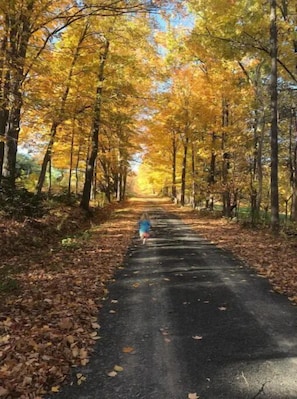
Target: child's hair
(144,216)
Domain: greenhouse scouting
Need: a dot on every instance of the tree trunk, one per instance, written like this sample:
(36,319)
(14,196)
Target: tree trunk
(47,158)
(4,112)
(184,172)
(71,159)
(226,198)
(17,29)
(274,125)
(174,151)
(85,201)
(293,163)
(212,168)
(194,184)
(58,120)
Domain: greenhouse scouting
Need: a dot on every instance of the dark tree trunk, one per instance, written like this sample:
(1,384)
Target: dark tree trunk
(184,172)
(174,151)
(274,125)
(293,163)
(212,169)
(194,183)
(58,120)
(85,201)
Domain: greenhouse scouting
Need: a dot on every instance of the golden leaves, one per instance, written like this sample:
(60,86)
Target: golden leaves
(80,378)
(117,369)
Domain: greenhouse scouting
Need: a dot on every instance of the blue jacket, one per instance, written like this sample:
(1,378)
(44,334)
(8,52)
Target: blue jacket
(144,226)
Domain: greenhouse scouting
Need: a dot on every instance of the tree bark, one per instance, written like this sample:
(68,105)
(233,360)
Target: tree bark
(173,167)
(274,124)
(60,117)
(85,201)
(293,163)
(184,171)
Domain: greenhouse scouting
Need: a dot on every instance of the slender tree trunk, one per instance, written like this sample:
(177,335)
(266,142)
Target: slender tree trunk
(58,120)
(194,184)
(71,159)
(77,169)
(173,168)
(47,157)
(225,165)
(212,169)
(260,166)
(184,171)
(85,201)
(293,163)
(274,125)
(50,176)
(17,28)
(4,112)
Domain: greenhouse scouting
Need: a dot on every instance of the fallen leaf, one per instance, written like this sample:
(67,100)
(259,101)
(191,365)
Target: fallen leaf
(84,362)
(75,351)
(70,339)
(198,337)
(193,396)
(3,391)
(112,373)
(118,368)
(66,324)
(80,378)
(55,389)
(127,349)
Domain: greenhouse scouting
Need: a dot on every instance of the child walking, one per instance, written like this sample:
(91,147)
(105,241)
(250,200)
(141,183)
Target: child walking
(144,227)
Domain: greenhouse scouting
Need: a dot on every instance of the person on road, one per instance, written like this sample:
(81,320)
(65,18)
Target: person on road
(144,227)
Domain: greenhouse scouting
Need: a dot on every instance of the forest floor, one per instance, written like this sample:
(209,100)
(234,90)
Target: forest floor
(53,281)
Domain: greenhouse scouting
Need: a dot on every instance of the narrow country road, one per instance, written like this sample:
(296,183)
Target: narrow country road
(183,319)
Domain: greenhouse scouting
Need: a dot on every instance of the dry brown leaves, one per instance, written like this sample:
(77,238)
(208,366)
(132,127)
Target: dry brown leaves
(51,323)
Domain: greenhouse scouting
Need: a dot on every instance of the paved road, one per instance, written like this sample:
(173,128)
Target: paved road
(184,317)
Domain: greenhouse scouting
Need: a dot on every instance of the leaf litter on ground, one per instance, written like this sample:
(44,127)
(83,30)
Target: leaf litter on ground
(49,320)
(50,323)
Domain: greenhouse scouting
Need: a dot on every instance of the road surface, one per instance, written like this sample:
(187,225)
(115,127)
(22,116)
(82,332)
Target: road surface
(184,319)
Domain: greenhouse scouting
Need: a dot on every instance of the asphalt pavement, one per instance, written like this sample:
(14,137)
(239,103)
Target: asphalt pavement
(185,319)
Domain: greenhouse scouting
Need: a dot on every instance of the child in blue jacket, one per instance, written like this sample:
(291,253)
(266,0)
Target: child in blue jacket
(144,227)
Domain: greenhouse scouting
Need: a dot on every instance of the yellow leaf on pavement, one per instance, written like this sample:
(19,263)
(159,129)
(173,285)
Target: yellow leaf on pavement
(193,396)
(80,378)
(112,374)
(118,368)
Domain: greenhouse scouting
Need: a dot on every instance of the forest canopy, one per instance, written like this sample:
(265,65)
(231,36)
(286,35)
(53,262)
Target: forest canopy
(201,94)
